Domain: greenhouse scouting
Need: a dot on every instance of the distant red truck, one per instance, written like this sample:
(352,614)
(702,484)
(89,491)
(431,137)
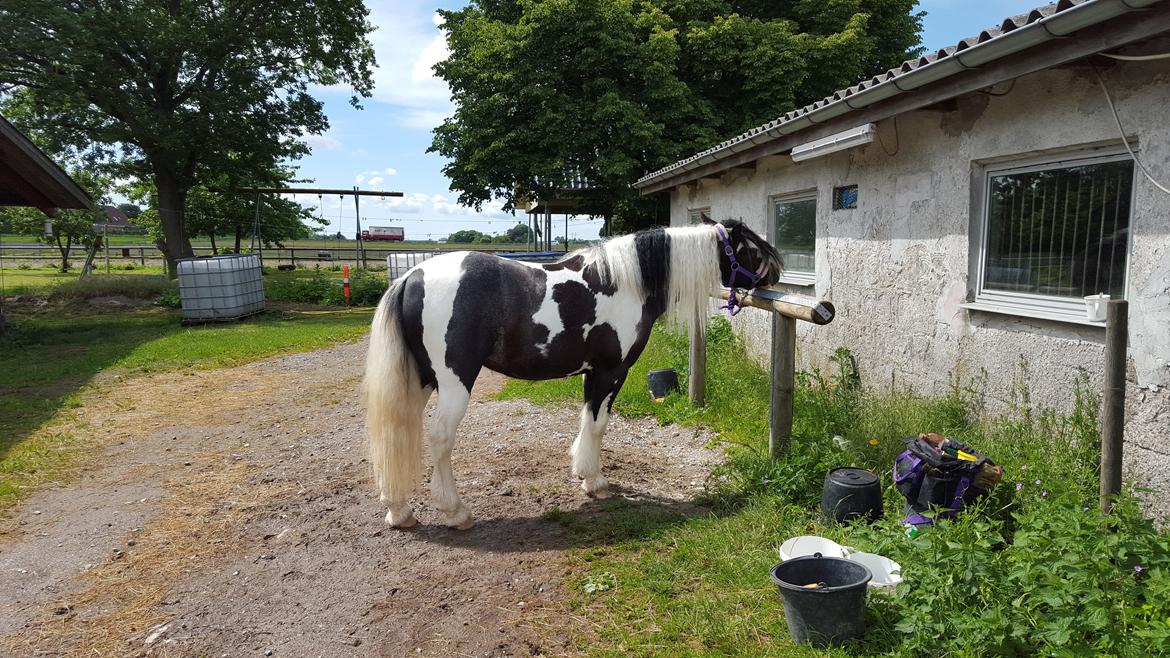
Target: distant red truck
(393,233)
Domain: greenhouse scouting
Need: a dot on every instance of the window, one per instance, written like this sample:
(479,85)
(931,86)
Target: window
(845,197)
(695,215)
(1055,232)
(794,232)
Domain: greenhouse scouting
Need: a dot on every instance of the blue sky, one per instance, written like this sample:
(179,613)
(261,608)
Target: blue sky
(383,146)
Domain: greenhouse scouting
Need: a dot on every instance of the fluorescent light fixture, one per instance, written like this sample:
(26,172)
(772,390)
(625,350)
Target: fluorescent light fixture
(859,136)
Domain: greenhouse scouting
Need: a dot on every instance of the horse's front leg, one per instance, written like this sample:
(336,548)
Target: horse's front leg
(600,389)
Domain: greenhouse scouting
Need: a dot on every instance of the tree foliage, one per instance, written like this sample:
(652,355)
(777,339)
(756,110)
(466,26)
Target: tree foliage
(607,90)
(466,236)
(519,233)
(177,91)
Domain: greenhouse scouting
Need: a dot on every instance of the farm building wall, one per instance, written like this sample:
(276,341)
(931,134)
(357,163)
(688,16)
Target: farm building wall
(897,267)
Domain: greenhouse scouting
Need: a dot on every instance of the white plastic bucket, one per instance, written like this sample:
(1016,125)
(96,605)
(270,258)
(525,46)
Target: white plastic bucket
(806,545)
(886,572)
(1095,306)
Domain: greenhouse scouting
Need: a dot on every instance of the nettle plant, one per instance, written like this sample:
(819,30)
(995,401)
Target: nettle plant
(1053,578)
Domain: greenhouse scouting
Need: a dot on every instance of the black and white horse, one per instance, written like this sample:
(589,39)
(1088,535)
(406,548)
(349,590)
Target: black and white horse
(591,312)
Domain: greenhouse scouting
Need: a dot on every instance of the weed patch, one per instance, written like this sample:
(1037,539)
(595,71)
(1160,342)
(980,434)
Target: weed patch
(1033,569)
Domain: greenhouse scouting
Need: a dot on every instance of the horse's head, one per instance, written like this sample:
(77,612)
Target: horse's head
(759,264)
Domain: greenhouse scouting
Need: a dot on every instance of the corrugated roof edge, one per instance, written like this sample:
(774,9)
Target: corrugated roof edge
(1015,33)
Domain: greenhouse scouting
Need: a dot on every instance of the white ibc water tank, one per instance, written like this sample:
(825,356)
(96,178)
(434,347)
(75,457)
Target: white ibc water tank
(220,288)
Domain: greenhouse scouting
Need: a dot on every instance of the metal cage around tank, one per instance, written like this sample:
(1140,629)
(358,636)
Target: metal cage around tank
(221,288)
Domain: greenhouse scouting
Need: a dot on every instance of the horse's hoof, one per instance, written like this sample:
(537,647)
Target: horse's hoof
(401,522)
(599,488)
(461,520)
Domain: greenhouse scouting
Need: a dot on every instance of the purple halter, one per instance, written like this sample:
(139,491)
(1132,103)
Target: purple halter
(753,278)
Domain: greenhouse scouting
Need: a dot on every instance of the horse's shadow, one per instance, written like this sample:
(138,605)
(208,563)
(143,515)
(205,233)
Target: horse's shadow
(627,515)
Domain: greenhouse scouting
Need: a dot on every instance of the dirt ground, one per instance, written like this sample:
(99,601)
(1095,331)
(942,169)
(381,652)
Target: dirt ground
(231,512)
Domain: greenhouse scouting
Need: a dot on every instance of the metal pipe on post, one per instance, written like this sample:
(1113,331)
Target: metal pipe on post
(697,375)
(357,215)
(257,239)
(783,384)
(1113,401)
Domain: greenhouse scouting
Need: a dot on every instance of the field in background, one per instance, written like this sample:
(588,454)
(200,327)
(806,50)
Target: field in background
(70,333)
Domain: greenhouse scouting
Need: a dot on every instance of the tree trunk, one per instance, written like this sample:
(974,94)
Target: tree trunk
(214,251)
(239,236)
(64,251)
(172,204)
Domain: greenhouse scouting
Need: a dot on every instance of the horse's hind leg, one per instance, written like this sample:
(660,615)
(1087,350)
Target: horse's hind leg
(449,411)
(600,389)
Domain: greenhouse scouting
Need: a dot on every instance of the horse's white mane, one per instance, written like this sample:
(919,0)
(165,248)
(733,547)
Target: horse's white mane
(692,273)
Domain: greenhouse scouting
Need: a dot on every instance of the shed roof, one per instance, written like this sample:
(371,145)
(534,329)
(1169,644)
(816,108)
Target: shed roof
(29,178)
(1042,33)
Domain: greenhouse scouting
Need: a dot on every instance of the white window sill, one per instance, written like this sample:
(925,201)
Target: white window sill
(803,279)
(1053,316)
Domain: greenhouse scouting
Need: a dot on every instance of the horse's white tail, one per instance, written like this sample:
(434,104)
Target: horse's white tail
(395,403)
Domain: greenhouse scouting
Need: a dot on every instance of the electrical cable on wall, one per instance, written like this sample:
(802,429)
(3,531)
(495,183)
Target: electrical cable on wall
(1136,58)
(1125,141)
(897,138)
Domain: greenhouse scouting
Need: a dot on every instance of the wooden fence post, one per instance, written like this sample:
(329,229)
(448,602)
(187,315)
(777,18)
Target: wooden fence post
(697,381)
(1113,416)
(783,376)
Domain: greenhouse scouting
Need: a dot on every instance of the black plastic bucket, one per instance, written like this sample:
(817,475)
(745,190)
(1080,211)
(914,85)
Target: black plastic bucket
(661,382)
(831,613)
(851,493)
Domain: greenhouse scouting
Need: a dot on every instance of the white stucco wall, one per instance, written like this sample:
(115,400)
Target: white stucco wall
(897,267)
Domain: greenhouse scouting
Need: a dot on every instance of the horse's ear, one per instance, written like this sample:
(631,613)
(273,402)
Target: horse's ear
(705,218)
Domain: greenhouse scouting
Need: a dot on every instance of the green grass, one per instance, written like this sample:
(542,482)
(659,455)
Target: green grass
(996,581)
(54,354)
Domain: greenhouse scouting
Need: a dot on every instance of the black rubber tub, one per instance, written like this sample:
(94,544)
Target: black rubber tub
(661,382)
(831,613)
(851,493)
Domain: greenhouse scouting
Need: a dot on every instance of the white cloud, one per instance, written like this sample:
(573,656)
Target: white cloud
(376,181)
(323,142)
(390,171)
(407,44)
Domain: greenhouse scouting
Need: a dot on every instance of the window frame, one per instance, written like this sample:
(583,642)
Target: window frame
(791,277)
(1048,307)
(699,211)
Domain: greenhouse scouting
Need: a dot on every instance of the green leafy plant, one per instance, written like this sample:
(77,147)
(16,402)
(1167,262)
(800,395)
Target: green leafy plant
(601,582)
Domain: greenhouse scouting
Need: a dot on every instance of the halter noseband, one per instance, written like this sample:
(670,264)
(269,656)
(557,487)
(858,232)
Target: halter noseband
(753,278)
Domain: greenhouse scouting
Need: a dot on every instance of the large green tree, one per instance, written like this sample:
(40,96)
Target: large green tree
(175,91)
(547,91)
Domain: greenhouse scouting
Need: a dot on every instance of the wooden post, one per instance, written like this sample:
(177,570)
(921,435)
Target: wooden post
(1113,415)
(783,376)
(697,379)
